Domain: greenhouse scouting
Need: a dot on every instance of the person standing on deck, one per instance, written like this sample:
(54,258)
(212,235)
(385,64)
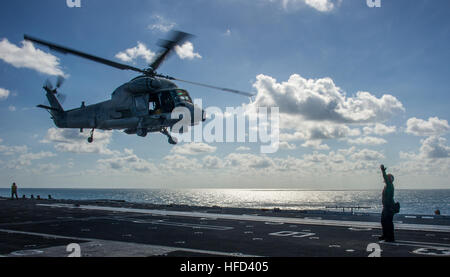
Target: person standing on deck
(14,191)
(387,215)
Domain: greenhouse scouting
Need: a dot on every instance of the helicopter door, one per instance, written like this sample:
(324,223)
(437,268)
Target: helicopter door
(166,101)
(141,105)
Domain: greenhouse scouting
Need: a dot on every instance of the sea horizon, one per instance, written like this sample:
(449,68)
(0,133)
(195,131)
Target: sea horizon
(224,188)
(413,201)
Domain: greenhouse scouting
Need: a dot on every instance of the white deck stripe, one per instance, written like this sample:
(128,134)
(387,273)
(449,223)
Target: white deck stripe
(417,244)
(306,221)
(169,249)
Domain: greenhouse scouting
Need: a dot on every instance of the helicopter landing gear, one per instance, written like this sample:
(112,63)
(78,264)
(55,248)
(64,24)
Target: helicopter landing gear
(172,140)
(91,137)
(142,132)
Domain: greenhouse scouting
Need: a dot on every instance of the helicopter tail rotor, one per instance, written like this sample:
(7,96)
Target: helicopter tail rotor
(48,86)
(59,81)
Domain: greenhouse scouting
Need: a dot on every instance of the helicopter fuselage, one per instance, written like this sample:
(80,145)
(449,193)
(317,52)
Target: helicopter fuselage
(148,103)
(143,105)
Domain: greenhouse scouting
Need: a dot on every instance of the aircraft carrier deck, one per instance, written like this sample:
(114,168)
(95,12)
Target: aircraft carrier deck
(102,228)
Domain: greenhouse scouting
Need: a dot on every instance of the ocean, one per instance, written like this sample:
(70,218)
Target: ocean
(423,202)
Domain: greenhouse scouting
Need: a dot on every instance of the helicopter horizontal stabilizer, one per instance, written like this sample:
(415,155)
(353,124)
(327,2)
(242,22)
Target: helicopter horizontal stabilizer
(48,108)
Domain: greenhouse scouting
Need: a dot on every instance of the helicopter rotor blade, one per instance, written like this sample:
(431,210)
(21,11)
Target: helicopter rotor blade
(60,81)
(65,50)
(248,94)
(177,38)
(48,85)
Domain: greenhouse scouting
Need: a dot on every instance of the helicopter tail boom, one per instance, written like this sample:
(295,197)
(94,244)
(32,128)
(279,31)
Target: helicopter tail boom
(54,103)
(55,108)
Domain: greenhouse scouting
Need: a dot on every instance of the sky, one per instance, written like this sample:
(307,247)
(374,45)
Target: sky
(356,87)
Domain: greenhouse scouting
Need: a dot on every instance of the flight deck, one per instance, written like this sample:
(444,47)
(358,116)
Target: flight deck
(105,228)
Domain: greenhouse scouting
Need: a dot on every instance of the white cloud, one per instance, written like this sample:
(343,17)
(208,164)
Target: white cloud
(45,168)
(317,131)
(28,56)
(243,148)
(36,156)
(193,149)
(433,127)
(212,162)
(19,157)
(434,148)
(139,51)
(261,168)
(26,159)
(161,24)
(127,162)
(367,141)
(4,93)
(71,140)
(12,150)
(286,145)
(316,144)
(368,155)
(379,129)
(12,108)
(322,100)
(319,5)
(314,110)
(249,161)
(186,51)
(179,162)
(432,161)
(342,160)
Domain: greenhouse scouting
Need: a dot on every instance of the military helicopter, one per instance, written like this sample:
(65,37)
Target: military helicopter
(140,106)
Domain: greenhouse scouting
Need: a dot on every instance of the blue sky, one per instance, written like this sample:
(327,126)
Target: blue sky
(292,53)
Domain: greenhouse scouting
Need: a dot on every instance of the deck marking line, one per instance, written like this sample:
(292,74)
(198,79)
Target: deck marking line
(105,241)
(340,223)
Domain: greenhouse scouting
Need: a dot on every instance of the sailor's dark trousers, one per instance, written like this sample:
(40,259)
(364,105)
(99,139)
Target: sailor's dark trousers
(387,217)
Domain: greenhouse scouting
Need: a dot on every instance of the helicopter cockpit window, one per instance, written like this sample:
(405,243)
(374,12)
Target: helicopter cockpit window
(167,104)
(180,95)
(140,103)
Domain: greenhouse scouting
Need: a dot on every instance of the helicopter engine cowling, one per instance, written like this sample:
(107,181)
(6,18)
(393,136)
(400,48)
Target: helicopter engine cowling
(145,84)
